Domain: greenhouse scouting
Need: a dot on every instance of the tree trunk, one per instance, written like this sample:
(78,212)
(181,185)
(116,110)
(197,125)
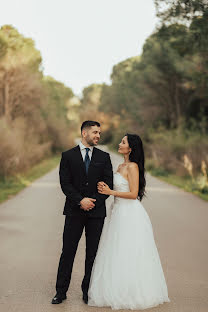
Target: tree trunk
(178,106)
(6,101)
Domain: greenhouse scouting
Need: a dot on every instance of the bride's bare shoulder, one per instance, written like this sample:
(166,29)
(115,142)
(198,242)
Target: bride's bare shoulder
(133,172)
(132,166)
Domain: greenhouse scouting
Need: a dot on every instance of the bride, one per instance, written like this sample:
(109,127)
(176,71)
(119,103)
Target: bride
(127,272)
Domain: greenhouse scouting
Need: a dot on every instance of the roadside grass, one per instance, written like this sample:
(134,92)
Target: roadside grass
(12,185)
(184,183)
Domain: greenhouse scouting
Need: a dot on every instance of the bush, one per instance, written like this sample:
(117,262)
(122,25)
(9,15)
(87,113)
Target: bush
(20,147)
(167,148)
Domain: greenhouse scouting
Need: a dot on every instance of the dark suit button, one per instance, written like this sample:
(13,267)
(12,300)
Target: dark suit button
(87,183)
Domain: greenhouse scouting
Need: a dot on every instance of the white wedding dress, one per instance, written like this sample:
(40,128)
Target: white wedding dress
(127,272)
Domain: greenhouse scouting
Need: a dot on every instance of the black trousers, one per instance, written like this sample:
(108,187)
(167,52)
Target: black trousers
(73,229)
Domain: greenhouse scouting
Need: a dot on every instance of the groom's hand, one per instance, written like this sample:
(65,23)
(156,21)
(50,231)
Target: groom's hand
(87,203)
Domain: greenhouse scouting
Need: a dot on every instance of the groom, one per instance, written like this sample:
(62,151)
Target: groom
(81,168)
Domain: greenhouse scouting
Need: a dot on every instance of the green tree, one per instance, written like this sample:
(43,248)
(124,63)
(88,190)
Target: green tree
(180,10)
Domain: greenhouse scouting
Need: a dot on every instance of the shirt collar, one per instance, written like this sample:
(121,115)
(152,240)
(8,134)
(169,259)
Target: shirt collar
(82,146)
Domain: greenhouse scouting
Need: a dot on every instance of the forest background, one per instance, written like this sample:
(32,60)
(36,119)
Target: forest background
(162,95)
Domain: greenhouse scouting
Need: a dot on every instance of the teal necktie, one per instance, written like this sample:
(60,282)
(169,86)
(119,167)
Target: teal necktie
(87,159)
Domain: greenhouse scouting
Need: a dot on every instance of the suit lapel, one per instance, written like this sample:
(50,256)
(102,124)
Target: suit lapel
(93,158)
(79,158)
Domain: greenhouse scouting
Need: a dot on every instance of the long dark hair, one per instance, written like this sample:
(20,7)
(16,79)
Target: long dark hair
(137,156)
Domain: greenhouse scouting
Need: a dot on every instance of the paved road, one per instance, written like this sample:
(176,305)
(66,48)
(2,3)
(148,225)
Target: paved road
(31,226)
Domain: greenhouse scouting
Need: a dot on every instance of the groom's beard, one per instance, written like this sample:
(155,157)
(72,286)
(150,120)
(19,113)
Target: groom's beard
(92,142)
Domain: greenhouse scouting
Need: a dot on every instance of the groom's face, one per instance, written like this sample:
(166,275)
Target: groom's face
(92,135)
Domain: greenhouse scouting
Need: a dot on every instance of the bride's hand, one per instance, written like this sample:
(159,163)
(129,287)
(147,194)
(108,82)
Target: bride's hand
(103,188)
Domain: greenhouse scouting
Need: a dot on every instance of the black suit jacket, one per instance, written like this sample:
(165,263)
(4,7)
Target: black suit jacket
(76,184)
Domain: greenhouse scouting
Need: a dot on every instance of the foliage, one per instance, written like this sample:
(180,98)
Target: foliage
(171,10)
(33,122)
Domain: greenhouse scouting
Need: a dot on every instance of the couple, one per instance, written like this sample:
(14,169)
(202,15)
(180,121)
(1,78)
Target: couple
(125,272)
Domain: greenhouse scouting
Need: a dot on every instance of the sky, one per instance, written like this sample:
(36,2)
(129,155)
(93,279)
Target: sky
(81,40)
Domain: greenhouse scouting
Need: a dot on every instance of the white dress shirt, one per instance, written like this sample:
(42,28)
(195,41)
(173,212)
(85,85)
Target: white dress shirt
(83,150)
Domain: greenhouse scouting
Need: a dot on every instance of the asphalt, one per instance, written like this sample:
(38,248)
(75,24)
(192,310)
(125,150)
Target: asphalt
(31,227)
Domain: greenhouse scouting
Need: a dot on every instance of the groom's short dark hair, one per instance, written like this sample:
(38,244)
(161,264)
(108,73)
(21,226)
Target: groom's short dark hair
(89,123)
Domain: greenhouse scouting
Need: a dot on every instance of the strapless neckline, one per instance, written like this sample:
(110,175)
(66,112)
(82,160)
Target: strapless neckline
(122,176)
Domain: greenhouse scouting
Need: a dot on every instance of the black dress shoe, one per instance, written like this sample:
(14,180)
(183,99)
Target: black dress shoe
(85,298)
(58,299)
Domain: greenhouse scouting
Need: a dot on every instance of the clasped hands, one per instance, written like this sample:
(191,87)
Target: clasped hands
(89,203)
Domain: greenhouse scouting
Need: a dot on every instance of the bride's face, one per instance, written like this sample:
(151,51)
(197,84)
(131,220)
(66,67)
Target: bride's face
(124,146)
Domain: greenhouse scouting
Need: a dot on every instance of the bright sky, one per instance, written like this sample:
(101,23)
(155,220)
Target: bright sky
(81,40)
